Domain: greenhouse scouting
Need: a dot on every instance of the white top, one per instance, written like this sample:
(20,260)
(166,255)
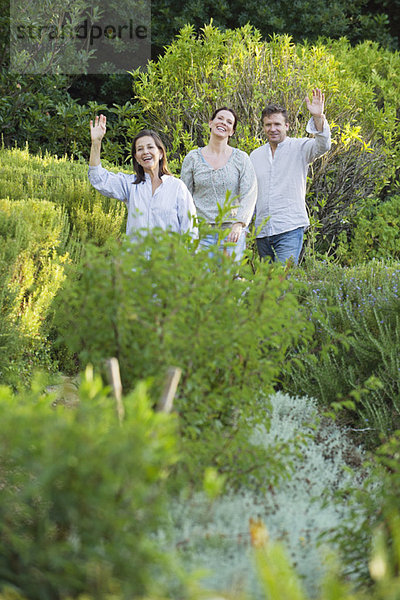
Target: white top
(171,207)
(209,186)
(282,180)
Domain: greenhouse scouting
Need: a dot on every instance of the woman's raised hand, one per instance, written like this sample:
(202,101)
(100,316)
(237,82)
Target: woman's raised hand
(98,128)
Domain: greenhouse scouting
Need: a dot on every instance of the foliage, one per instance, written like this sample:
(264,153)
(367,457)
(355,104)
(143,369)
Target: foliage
(179,92)
(279,579)
(373,523)
(83,36)
(32,242)
(155,304)
(63,182)
(358,20)
(84,504)
(370,72)
(354,354)
(35,104)
(82,494)
(212,534)
(376,232)
(39,110)
(54,211)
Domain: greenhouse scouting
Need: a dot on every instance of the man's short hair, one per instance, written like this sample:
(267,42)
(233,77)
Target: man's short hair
(272,109)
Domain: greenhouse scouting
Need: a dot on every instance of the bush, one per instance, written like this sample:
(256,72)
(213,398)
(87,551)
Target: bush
(372,523)
(377,231)
(52,213)
(33,237)
(155,304)
(82,494)
(356,316)
(64,182)
(38,110)
(212,534)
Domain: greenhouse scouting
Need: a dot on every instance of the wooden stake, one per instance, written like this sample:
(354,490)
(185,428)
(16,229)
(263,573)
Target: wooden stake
(116,385)
(171,383)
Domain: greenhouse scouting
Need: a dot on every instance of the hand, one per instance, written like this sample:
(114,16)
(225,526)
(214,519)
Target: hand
(316,107)
(98,129)
(235,232)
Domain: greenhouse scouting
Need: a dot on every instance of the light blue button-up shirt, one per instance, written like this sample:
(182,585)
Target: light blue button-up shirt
(171,207)
(282,179)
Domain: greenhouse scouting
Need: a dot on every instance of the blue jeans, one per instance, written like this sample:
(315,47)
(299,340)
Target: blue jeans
(281,246)
(211,239)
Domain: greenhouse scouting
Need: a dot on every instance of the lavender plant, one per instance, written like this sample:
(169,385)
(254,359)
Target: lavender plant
(354,356)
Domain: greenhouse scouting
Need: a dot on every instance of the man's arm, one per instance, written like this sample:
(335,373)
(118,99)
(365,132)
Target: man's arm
(316,108)
(318,127)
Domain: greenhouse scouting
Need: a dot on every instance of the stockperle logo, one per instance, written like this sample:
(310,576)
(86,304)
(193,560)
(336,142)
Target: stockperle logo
(74,38)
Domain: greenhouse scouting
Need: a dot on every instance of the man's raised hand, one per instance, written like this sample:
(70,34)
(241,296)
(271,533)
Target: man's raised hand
(316,106)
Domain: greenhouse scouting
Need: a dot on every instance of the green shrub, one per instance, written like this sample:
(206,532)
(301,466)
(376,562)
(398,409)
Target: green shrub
(356,315)
(228,336)
(82,495)
(33,237)
(47,214)
(372,524)
(377,231)
(63,182)
(279,579)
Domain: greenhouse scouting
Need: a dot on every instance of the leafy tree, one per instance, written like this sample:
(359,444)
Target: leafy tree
(301,19)
(35,104)
(78,37)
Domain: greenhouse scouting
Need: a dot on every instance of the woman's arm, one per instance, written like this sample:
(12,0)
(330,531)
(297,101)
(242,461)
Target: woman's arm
(186,211)
(187,172)
(112,185)
(247,190)
(97,132)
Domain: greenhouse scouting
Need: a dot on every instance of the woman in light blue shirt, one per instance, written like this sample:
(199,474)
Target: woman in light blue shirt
(154,197)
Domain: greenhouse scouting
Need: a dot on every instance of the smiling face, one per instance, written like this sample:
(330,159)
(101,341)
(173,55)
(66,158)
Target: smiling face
(147,154)
(223,124)
(275,128)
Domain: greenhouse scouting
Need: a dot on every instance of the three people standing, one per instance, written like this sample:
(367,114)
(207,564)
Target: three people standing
(271,183)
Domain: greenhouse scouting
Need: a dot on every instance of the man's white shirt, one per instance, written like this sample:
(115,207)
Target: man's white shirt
(282,180)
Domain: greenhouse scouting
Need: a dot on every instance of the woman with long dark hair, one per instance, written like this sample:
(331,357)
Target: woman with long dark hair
(215,170)
(154,197)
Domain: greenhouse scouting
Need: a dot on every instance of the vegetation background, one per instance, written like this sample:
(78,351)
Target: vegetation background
(92,507)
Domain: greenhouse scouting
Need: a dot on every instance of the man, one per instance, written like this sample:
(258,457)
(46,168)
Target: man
(281,168)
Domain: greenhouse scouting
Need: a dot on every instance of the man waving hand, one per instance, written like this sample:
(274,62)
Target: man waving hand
(281,168)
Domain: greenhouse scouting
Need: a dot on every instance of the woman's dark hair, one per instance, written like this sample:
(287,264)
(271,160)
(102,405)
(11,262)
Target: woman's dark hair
(230,110)
(163,166)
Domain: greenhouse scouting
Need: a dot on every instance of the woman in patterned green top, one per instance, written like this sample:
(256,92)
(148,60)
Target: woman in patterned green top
(212,171)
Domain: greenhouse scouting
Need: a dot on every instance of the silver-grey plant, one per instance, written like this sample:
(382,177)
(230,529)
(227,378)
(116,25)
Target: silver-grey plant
(214,535)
